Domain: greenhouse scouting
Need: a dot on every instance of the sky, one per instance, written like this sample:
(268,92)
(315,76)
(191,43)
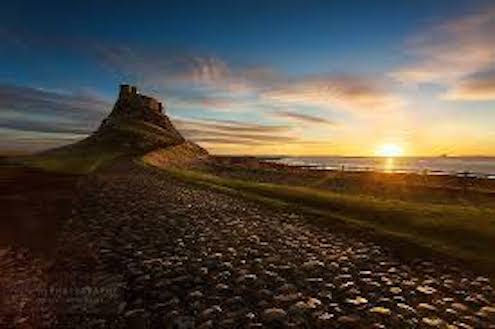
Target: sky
(287,77)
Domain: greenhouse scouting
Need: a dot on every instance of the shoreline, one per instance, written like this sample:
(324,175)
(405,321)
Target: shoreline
(367,169)
(318,165)
(450,184)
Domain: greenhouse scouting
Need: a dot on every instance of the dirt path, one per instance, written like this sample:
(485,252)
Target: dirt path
(143,250)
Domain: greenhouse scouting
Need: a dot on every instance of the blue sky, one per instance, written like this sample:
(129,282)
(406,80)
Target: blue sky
(302,77)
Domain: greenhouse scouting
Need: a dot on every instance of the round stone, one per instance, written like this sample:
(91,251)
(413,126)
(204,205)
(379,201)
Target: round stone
(433,322)
(274,315)
(395,290)
(380,310)
(349,320)
(426,290)
(459,307)
(426,307)
(357,301)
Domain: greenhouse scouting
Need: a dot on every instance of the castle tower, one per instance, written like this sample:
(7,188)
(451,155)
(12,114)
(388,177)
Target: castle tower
(126,91)
(129,96)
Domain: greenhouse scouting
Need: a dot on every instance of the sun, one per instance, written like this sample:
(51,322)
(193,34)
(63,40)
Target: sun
(390,150)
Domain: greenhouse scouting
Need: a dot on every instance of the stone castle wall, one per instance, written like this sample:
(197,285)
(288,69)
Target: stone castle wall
(130,97)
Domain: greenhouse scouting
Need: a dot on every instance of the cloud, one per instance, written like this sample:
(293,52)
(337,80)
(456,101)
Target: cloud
(210,103)
(59,126)
(30,113)
(213,84)
(43,111)
(303,118)
(219,86)
(154,67)
(31,140)
(190,82)
(224,87)
(216,141)
(477,87)
(451,50)
(234,132)
(354,93)
(162,68)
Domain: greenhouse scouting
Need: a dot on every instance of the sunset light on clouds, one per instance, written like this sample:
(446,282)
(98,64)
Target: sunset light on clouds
(305,78)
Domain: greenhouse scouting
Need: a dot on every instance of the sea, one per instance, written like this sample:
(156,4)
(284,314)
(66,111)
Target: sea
(444,165)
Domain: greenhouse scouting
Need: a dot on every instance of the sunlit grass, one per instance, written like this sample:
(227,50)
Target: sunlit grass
(466,232)
(74,162)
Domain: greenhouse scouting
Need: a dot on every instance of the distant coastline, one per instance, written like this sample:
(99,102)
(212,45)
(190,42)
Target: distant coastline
(473,166)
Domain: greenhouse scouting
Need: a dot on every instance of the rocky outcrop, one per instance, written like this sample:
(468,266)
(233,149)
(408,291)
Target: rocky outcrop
(132,106)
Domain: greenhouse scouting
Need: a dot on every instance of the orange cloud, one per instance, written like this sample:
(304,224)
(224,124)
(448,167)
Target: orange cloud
(450,51)
(234,132)
(302,118)
(345,92)
(479,87)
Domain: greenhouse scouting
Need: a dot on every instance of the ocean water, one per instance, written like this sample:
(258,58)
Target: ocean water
(475,166)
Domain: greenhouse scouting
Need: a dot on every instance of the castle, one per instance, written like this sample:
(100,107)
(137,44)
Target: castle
(129,95)
(134,108)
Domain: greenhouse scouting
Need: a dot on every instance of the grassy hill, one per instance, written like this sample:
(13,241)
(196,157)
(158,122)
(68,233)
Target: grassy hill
(127,138)
(132,129)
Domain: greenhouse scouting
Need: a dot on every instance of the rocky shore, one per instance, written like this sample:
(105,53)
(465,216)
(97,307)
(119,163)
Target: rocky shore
(144,250)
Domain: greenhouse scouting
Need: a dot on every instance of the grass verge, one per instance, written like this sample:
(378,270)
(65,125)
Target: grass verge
(461,232)
(70,161)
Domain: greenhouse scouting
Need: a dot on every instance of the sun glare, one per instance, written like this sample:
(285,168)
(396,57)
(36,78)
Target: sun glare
(390,150)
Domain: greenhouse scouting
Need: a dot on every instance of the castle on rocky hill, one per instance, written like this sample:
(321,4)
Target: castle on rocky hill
(134,108)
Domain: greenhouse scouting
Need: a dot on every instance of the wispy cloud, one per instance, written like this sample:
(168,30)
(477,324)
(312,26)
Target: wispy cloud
(162,68)
(301,118)
(231,125)
(211,103)
(234,132)
(226,87)
(235,137)
(161,65)
(56,113)
(449,52)
(477,87)
(354,93)
(32,140)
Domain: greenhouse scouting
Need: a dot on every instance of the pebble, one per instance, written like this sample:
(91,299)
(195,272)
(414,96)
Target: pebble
(426,290)
(433,322)
(196,294)
(274,314)
(459,307)
(357,301)
(380,310)
(426,307)
(349,319)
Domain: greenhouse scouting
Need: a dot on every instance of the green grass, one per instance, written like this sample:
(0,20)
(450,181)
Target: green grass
(79,158)
(463,232)
(405,187)
(74,162)
(146,132)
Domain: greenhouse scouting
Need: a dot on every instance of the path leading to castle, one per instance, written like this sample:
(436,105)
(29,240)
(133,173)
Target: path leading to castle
(144,250)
